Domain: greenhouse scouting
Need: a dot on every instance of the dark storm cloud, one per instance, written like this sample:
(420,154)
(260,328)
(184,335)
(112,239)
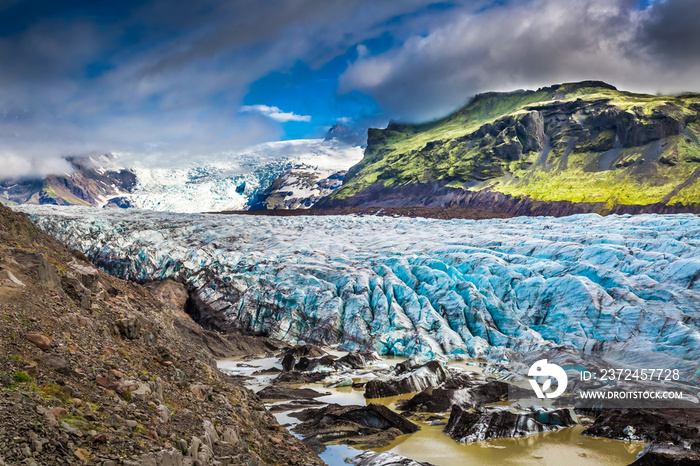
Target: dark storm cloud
(672,31)
(535,43)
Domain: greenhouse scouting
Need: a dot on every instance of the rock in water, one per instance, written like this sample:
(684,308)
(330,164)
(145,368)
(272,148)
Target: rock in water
(667,455)
(373,425)
(291,356)
(677,426)
(274,392)
(430,374)
(465,426)
(353,360)
(387,458)
(460,390)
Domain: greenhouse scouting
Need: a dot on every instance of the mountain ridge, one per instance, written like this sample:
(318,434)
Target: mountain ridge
(577,147)
(279,174)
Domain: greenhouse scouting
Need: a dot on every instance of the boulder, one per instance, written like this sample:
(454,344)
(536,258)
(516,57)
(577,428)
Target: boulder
(291,355)
(41,341)
(309,351)
(129,327)
(163,413)
(77,291)
(80,321)
(143,392)
(326,363)
(288,362)
(201,392)
(430,374)
(89,276)
(57,364)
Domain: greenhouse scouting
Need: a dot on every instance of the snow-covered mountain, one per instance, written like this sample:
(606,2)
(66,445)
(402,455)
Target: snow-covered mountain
(98,181)
(237,181)
(301,188)
(417,286)
(229,181)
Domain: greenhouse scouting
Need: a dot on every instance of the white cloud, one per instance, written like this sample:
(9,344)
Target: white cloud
(275,113)
(13,165)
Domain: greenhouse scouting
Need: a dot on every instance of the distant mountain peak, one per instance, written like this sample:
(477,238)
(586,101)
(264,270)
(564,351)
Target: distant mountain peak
(343,133)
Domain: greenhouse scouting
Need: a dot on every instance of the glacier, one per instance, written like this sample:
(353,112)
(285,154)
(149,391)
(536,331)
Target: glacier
(414,286)
(234,181)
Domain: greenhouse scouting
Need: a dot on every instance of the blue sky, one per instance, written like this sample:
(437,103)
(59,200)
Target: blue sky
(184,79)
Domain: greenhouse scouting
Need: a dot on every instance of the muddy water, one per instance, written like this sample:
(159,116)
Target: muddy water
(566,446)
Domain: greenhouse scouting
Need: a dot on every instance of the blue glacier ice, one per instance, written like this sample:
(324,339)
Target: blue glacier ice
(418,287)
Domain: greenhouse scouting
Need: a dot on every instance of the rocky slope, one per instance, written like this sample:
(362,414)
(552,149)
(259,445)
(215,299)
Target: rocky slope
(96,370)
(570,148)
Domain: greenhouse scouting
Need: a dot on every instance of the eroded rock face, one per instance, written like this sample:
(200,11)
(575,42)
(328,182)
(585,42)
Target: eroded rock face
(171,293)
(373,425)
(430,374)
(465,426)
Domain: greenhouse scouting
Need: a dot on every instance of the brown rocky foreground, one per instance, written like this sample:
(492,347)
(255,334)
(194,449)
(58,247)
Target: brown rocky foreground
(96,370)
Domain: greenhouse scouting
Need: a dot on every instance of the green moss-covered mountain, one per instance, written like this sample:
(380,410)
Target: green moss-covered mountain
(580,146)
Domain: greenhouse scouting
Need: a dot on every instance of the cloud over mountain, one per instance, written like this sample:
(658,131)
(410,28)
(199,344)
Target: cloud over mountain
(528,44)
(171,77)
